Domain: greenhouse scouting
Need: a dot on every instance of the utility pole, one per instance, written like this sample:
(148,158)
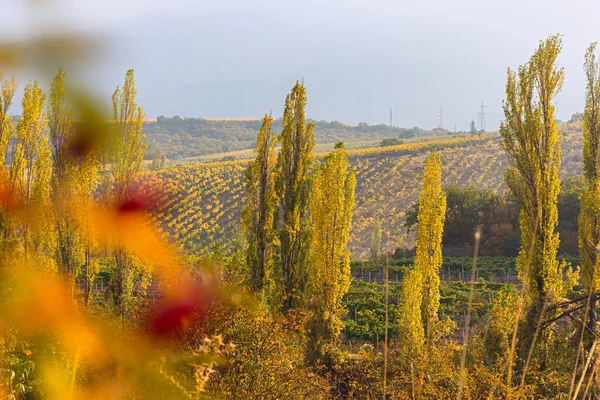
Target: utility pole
(481,114)
(385,342)
(391,114)
(441,118)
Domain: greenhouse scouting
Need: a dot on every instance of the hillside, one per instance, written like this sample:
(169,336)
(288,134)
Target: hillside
(178,137)
(204,200)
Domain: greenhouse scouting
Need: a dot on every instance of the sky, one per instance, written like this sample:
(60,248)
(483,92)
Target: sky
(358,58)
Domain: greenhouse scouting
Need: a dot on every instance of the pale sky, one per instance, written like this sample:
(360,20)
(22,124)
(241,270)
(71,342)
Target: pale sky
(239,58)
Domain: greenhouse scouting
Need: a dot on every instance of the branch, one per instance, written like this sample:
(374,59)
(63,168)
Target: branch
(566,313)
(576,300)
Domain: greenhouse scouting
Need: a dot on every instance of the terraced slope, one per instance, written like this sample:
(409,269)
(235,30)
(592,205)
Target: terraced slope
(200,203)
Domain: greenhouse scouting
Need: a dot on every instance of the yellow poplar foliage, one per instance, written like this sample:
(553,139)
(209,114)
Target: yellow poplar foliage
(503,314)
(530,138)
(129,142)
(376,239)
(257,214)
(74,179)
(125,158)
(428,256)
(294,164)
(589,217)
(421,289)
(30,172)
(332,203)
(412,334)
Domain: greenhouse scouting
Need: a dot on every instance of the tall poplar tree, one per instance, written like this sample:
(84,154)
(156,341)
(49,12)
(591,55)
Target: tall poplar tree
(294,165)
(30,172)
(129,145)
(428,255)
(69,249)
(257,214)
(74,180)
(376,240)
(410,320)
(332,204)
(530,139)
(589,217)
(420,298)
(125,160)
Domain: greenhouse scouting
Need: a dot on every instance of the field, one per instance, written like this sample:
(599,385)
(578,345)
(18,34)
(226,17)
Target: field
(200,203)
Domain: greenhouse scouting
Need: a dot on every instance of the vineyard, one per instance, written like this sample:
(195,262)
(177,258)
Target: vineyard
(199,204)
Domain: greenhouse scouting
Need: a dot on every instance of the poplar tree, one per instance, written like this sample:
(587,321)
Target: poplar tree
(257,214)
(376,240)
(410,321)
(127,152)
(589,217)
(420,298)
(530,139)
(125,159)
(30,172)
(74,180)
(293,185)
(332,204)
(428,254)
(69,249)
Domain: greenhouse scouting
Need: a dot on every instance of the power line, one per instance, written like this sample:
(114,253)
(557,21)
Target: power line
(481,115)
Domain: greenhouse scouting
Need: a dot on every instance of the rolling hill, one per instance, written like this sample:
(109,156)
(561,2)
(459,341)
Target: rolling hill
(178,137)
(199,204)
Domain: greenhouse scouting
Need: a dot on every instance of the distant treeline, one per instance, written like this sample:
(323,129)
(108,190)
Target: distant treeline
(177,137)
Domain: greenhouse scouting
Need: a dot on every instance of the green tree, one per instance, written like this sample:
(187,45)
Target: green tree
(332,204)
(391,142)
(157,158)
(293,185)
(376,240)
(472,127)
(530,139)
(257,214)
(468,209)
(576,117)
(589,217)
